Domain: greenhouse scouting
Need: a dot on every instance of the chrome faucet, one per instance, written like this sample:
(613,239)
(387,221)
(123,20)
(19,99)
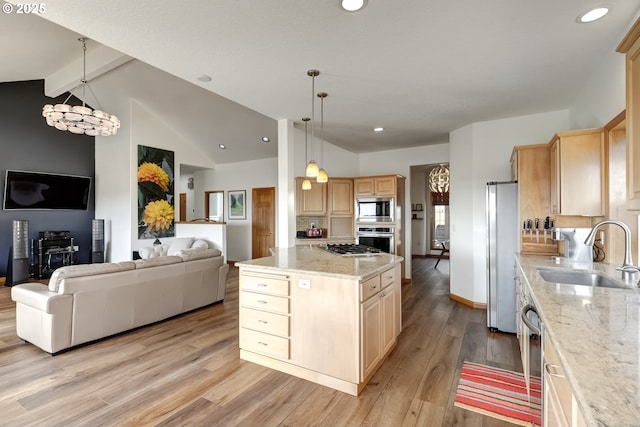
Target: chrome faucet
(628,269)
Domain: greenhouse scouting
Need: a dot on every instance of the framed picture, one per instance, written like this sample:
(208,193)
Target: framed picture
(237,204)
(413,207)
(419,206)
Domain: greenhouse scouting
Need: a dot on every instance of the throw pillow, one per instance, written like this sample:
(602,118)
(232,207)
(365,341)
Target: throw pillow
(199,244)
(178,245)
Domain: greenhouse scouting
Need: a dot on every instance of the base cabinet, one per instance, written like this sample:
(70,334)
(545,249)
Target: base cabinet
(329,330)
(559,405)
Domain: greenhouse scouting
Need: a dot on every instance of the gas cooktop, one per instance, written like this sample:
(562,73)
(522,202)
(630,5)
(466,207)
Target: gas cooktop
(351,249)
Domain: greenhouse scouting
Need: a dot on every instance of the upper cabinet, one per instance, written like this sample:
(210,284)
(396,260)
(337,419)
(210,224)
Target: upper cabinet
(311,202)
(577,173)
(530,167)
(376,186)
(630,46)
(341,196)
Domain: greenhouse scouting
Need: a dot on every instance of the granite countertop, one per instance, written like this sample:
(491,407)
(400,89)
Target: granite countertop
(596,332)
(314,259)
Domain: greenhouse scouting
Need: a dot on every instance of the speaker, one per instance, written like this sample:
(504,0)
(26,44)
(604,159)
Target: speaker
(97,241)
(18,262)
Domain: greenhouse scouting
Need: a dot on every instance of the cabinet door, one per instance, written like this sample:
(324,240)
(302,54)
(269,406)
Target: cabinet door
(630,46)
(370,335)
(388,308)
(311,202)
(364,186)
(554,177)
(385,186)
(577,178)
(341,200)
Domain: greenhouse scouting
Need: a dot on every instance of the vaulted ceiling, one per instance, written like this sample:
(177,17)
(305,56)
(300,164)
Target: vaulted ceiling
(418,68)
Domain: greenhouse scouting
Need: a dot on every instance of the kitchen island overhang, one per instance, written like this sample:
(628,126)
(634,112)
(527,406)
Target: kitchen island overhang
(326,318)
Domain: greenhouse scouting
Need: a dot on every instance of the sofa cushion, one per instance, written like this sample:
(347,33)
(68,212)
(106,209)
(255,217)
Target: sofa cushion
(191,254)
(86,270)
(153,251)
(153,262)
(179,244)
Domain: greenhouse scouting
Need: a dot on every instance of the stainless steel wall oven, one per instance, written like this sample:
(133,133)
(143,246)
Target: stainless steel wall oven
(380,237)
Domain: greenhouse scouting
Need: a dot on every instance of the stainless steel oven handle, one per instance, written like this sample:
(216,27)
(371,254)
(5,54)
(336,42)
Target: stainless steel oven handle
(523,315)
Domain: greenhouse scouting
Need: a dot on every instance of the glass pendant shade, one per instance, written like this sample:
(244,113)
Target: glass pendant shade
(322,176)
(439,179)
(312,169)
(306,184)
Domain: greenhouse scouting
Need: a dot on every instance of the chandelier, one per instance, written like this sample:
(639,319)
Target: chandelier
(439,179)
(81,119)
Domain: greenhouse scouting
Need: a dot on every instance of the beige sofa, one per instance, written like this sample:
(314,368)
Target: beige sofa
(87,302)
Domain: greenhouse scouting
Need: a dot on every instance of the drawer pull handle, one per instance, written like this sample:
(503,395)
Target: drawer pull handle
(262,321)
(374,287)
(262,285)
(262,301)
(553,370)
(263,343)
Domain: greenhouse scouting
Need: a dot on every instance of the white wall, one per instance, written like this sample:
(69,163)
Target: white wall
(231,177)
(480,153)
(418,194)
(116,175)
(400,162)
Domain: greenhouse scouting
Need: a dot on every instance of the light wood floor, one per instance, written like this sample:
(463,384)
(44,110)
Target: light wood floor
(187,371)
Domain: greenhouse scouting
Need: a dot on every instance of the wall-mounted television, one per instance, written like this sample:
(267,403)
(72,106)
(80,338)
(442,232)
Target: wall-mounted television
(38,190)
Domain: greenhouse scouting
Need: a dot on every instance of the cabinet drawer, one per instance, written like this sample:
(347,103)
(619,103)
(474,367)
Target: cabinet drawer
(267,285)
(369,288)
(388,277)
(266,344)
(264,302)
(258,320)
(556,376)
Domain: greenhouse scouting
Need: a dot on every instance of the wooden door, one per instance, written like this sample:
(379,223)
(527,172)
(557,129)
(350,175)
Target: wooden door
(183,207)
(263,225)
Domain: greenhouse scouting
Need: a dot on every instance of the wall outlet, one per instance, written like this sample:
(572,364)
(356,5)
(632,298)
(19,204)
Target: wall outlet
(304,284)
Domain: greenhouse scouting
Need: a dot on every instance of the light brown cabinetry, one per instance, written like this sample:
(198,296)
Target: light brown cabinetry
(530,167)
(560,406)
(341,206)
(264,314)
(330,330)
(630,46)
(376,186)
(577,173)
(380,318)
(311,202)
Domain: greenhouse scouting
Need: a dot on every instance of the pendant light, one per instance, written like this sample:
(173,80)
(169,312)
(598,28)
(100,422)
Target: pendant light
(312,166)
(439,178)
(81,119)
(306,184)
(322,174)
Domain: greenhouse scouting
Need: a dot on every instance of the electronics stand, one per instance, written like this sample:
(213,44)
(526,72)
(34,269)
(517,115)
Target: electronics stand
(52,250)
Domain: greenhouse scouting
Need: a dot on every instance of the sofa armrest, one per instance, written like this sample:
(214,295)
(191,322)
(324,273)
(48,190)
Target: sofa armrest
(39,296)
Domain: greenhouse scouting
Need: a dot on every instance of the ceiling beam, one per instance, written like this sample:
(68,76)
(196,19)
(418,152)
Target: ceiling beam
(100,60)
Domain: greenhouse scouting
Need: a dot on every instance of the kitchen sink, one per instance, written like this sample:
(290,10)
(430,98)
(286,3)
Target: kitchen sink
(584,278)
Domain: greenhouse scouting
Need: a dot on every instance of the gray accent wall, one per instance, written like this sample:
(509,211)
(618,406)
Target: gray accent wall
(27,143)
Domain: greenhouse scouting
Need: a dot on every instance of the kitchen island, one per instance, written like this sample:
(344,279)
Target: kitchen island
(595,332)
(323,317)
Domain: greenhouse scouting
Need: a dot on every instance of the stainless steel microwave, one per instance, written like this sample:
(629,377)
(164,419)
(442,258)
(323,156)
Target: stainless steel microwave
(375,209)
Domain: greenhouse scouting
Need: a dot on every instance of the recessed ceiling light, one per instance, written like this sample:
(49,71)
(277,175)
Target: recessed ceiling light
(378,129)
(353,5)
(265,139)
(222,146)
(592,15)
(204,78)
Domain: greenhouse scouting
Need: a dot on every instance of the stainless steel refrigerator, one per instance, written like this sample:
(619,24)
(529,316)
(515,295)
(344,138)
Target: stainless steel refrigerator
(502,244)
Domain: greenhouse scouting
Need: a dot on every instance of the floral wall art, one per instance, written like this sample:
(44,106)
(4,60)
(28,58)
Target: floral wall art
(156,213)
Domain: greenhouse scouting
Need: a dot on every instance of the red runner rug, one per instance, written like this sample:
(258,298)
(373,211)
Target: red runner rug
(499,394)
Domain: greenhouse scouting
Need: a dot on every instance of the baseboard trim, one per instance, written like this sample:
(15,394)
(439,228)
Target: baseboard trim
(467,302)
